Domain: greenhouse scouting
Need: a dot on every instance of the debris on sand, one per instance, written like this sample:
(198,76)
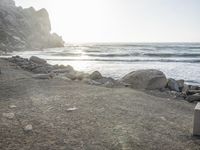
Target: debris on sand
(72,109)
(8,115)
(28,128)
(12,106)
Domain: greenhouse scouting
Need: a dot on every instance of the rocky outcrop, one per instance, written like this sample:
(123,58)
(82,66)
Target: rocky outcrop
(25,28)
(146,79)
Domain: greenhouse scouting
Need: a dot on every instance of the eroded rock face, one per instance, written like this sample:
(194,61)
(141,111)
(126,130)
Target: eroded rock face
(25,28)
(149,79)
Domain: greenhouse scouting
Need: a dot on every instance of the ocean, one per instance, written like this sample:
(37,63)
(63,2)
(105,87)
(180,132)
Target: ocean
(176,60)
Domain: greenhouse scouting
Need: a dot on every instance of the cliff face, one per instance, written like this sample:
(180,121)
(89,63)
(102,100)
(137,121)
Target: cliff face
(25,28)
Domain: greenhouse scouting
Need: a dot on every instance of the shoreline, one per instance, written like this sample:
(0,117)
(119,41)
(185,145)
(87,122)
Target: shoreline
(173,88)
(91,59)
(57,113)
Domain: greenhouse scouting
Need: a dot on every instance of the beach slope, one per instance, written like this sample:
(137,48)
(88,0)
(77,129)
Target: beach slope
(57,115)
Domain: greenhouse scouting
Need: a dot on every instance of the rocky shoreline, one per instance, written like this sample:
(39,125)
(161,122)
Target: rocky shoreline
(56,107)
(148,80)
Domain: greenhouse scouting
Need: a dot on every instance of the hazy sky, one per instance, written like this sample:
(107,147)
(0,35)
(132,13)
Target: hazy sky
(123,20)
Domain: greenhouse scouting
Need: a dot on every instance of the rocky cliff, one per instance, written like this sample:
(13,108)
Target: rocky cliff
(25,28)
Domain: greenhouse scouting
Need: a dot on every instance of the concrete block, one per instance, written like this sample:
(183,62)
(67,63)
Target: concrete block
(196,127)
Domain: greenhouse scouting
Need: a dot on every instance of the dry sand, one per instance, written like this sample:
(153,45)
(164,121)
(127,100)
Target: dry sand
(70,115)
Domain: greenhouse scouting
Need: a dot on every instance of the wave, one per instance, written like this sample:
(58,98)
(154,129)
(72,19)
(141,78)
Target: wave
(173,55)
(192,55)
(127,60)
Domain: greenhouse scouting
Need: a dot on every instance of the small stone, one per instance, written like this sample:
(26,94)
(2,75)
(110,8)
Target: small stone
(9,115)
(28,127)
(72,109)
(12,106)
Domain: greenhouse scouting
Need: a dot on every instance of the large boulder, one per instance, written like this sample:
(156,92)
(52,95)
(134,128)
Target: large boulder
(38,60)
(149,79)
(95,75)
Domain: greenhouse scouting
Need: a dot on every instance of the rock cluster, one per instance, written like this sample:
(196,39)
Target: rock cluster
(189,92)
(25,28)
(43,70)
(149,79)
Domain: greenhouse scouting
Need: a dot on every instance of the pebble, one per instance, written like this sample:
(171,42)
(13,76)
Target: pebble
(28,127)
(72,109)
(9,115)
(12,106)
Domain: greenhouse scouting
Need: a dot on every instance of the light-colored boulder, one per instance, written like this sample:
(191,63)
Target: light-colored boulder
(146,79)
(173,85)
(95,75)
(38,60)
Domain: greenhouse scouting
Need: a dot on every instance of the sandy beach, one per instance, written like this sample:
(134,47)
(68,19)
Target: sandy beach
(73,115)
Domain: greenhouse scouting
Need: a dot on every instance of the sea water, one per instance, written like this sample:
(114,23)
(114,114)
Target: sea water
(176,60)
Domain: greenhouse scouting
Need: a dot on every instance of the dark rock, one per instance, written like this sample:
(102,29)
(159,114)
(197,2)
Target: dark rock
(192,98)
(191,92)
(38,60)
(193,87)
(146,79)
(95,75)
(185,89)
(42,69)
(180,84)
(173,85)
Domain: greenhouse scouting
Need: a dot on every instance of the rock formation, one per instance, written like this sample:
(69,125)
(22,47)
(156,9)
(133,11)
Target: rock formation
(146,79)
(25,28)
